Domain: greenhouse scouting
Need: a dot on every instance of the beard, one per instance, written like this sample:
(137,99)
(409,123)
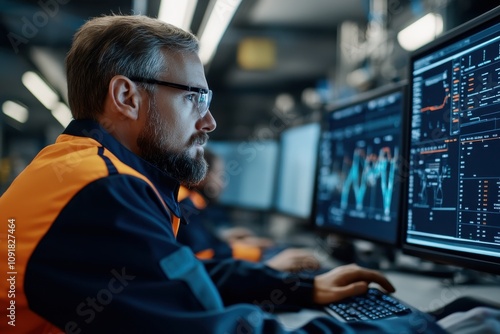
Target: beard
(156,148)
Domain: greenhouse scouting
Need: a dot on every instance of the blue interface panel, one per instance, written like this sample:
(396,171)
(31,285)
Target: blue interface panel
(453,204)
(358,184)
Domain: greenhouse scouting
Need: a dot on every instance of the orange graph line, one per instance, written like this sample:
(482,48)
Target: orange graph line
(434,108)
(434,151)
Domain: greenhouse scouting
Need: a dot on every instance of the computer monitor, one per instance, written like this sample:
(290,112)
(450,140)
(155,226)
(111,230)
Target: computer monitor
(452,210)
(358,176)
(249,172)
(296,170)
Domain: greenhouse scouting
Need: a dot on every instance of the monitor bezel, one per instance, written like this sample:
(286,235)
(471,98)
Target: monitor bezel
(456,258)
(378,92)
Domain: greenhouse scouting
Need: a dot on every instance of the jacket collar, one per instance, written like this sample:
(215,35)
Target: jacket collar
(166,185)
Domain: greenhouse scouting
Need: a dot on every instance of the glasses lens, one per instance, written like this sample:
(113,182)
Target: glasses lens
(204,103)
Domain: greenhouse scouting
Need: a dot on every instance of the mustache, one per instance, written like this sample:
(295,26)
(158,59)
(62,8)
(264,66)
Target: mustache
(199,139)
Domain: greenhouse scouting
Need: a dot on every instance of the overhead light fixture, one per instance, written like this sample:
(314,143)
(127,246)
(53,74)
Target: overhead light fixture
(50,65)
(62,113)
(139,7)
(214,25)
(40,89)
(284,102)
(256,53)
(47,97)
(15,110)
(421,32)
(177,12)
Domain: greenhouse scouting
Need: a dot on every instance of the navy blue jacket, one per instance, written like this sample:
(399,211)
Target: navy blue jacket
(96,253)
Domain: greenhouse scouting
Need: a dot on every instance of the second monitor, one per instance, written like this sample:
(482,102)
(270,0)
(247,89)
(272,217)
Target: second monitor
(298,156)
(358,175)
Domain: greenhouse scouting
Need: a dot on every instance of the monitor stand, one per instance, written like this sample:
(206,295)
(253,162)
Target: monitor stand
(465,276)
(386,258)
(414,265)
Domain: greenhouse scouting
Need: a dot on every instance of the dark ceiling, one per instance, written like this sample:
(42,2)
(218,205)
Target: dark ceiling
(36,34)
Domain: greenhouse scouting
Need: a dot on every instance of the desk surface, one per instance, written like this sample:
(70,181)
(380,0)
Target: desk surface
(429,293)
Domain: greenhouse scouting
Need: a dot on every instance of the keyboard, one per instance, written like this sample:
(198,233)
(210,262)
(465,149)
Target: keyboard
(373,305)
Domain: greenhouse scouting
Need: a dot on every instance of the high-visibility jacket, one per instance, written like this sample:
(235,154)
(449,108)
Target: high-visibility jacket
(90,229)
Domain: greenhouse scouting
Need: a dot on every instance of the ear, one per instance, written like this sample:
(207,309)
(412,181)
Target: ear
(124,97)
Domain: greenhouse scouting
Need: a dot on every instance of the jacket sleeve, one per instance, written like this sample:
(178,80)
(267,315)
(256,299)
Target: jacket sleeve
(274,291)
(255,283)
(110,264)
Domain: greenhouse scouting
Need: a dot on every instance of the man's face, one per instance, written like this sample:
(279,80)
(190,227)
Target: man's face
(174,133)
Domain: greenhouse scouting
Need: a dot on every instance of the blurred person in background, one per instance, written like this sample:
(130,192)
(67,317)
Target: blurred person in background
(236,242)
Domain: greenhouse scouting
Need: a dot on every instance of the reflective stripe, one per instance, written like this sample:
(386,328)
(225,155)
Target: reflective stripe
(182,265)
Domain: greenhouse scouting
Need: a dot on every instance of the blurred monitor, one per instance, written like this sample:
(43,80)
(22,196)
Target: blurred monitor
(249,175)
(358,177)
(453,200)
(296,170)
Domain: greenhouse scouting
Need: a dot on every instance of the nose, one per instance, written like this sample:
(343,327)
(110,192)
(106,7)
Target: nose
(207,123)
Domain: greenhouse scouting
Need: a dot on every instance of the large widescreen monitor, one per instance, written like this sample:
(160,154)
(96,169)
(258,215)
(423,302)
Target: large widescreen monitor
(296,170)
(452,210)
(358,175)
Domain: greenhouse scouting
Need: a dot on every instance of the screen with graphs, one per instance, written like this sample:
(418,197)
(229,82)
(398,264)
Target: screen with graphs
(454,165)
(358,182)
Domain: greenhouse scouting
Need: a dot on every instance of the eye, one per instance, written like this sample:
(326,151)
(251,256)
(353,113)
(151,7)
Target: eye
(191,97)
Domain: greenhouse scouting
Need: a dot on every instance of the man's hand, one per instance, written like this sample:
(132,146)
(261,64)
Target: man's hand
(231,234)
(294,259)
(346,281)
(262,243)
(245,236)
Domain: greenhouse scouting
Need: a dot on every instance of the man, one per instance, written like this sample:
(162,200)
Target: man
(94,216)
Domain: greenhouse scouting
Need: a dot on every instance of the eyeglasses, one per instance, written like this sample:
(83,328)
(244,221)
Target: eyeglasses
(204,95)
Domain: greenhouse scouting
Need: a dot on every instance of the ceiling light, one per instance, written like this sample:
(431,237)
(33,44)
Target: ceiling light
(139,7)
(51,66)
(421,32)
(177,12)
(256,53)
(284,102)
(214,25)
(62,113)
(40,89)
(16,111)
